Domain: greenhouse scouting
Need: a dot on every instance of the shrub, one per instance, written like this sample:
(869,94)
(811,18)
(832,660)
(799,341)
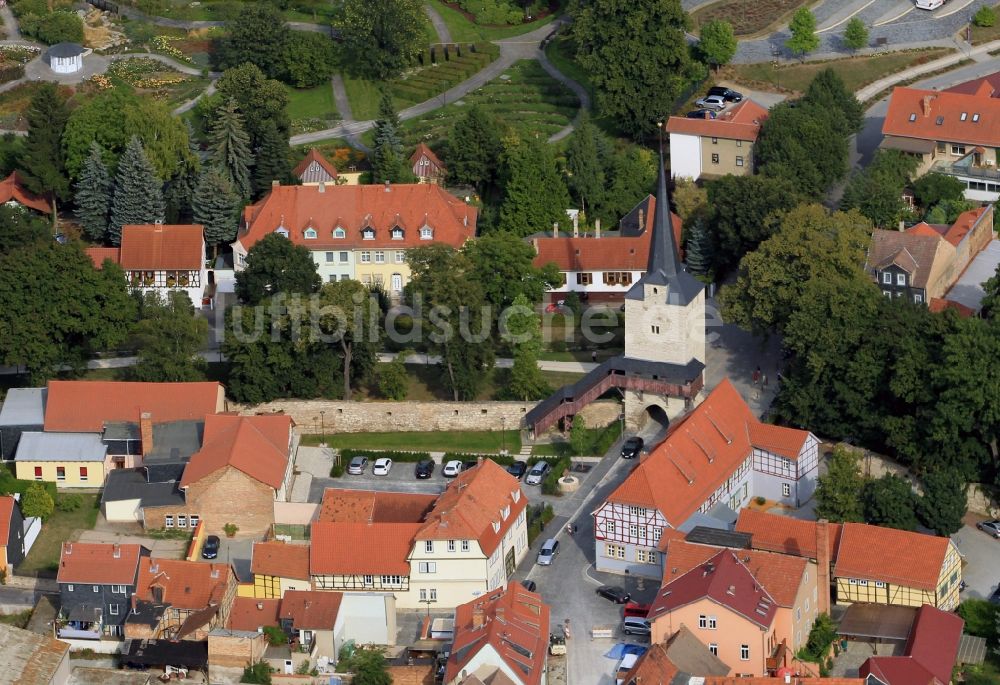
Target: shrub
(550,486)
(986,16)
(337,471)
(37,502)
(980,618)
(396,455)
(760,500)
(24,7)
(70,502)
(275,636)
(230,529)
(57,27)
(259,673)
(821,636)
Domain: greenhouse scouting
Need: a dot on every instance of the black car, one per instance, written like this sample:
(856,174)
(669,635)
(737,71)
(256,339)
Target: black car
(727,94)
(211,548)
(701,114)
(614,593)
(466,465)
(424,469)
(528,585)
(518,469)
(632,447)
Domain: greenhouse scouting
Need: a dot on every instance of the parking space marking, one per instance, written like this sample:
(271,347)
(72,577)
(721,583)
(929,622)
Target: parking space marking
(895,18)
(954,10)
(848,17)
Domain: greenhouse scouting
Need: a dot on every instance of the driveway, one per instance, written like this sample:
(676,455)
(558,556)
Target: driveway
(982,557)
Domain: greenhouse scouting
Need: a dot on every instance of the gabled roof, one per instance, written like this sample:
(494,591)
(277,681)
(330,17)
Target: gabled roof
(88,405)
(724,580)
(29,658)
(155,247)
(779,574)
(424,151)
(363,506)
(681,654)
(795,680)
(99,564)
(256,445)
(964,224)
(186,585)
(248,614)
(904,558)
(934,640)
(514,622)
(99,254)
(973,86)
(473,506)
(315,175)
(354,208)
(784,534)
(701,451)
(310,609)
(11,188)
(361,548)
(913,252)
(742,122)
(280,559)
(971,118)
(899,670)
(7,505)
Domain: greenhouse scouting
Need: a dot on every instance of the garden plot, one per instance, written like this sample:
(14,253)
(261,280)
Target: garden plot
(154,79)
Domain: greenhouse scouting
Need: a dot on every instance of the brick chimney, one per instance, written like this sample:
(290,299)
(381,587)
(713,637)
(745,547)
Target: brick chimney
(597,228)
(146,432)
(116,551)
(555,229)
(823,565)
(642,220)
(478,618)
(925,105)
(576,225)
(275,183)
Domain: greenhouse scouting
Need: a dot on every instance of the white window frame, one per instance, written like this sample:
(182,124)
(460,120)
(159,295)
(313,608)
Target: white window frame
(182,521)
(397,233)
(744,652)
(168,521)
(366,257)
(194,520)
(878,584)
(368,234)
(426,233)
(400,256)
(309,234)
(97,588)
(429,546)
(113,609)
(887,278)
(713,648)
(712,623)
(451,545)
(703,621)
(339,233)
(427,567)
(786,489)
(380,256)
(434,594)
(368,580)
(329,257)
(900,279)
(69,587)
(465,545)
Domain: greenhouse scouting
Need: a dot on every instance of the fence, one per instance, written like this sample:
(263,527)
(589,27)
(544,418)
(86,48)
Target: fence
(32,527)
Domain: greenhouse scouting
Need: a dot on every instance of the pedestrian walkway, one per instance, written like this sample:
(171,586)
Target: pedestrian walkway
(441,28)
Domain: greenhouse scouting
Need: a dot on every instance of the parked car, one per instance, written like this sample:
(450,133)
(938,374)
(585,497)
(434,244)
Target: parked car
(929,4)
(471,464)
(636,609)
(537,473)
(357,466)
(726,94)
(701,114)
(382,466)
(633,625)
(624,666)
(517,469)
(529,585)
(990,527)
(548,552)
(614,593)
(210,550)
(424,469)
(452,468)
(632,447)
(716,102)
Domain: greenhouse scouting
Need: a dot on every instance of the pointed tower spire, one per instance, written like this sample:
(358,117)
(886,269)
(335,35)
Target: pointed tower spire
(663,261)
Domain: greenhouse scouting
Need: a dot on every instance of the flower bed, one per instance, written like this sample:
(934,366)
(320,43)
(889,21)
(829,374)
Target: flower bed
(143,72)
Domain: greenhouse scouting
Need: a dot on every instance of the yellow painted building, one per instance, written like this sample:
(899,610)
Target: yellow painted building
(70,460)
(277,567)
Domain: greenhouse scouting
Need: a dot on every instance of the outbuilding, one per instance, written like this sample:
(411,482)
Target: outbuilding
(65,58)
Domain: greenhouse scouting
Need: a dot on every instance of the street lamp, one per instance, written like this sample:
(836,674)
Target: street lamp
(503,435)
(428,602)
(322,423)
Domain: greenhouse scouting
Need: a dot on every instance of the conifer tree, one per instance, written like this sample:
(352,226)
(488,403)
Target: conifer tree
(138,196)
(584,164)
(93,194)
(42,167)
(388,162)
(180,188)
(216,206)
(272,159)
(230,147)
(698,249)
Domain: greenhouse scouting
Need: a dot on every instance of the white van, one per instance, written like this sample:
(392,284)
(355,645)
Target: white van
(930,4)
(624,666)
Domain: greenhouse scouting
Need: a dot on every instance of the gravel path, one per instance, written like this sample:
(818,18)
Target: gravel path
(10,25)
(441,28)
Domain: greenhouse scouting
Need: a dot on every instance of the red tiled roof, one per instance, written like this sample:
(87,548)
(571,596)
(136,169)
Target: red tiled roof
(155,247)
(472,504)
(362,506)
(361,548)
(409,206)
(311,609)
(314,155)
(701,451)
(99,254)
(514,622)
(87,562)
(12,189)
(965,222)
(190,585)
(973,86)
(6,513)
(654,666)
(783,534)
(780,574)
(904,558)
(934,640)
(248,614)
(938,304)
(617,253)
(899,670)
(85,406)
(423,150)
(280,559)
(796,680)
(256,445)
(725,580)
(926,107)
(742,122)
(777,439)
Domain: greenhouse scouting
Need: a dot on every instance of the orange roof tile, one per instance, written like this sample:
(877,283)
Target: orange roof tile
(904,558)
(514,622)
(312,156)
(620,253)
(99,254)
(346,548)
(256,445)
(777,439)
(248,614)
(701,451)
(190,585)
(361,506)
(472,504)
(423,150)
(938,304)
(654,666)
(742,122)
(774,533)
(965,222)
(11,188)
(155,247)
(916,113)
(85,406)
(99,564)
(796,680)
(408,206)
(280,559)
(6,513)
(311,609)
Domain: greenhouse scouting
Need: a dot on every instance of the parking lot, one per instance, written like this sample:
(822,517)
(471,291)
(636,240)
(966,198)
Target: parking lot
(982,556)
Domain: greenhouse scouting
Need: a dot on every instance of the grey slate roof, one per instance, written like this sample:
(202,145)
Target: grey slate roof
(62,50)
(131,484)
(24,407)
(969,288)
(37,446)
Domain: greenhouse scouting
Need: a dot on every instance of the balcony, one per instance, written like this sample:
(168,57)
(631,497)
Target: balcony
(967,166)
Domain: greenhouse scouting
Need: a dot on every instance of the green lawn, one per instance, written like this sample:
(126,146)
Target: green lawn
(311,109)
(363,96)
(437,441)
(18,620)
(985,34)
(43,560)
(748,17)
(463,30)
(856,72)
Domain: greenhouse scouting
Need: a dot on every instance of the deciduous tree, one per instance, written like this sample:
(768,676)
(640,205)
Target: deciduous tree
(310,59)
(393,378)
(944,502)
(716,42)
(138,197)
(803,29)
(93,195)
(21,228)
(524,333)
(37,502)
(690,199)
(933,188)
(889,501)
(258,36)
(502,265)
(381,37)
(838,490)
(276,265)
(877,191)
(169,337)
(350,318)
(855,34)
(260,99)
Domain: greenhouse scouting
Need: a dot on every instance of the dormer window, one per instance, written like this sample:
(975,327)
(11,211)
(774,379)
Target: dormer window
(516,495)
(397,233)
(505,512)
(964,116)
(339,233)
(310,234)
(496,526)
(913,116)
(426,233)
(368,234)
(282,231)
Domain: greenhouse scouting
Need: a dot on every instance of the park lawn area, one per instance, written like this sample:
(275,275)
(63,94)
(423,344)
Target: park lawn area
(363,96)
(524,97)
(984,34)
(599,441)
(43,559)
(426,384)
(748,17)
(14,103)
(856,72)
(463,29)
(311,109)
(435,441)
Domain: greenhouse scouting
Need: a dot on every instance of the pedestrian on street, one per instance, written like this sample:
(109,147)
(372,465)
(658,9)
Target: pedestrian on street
(764,381)
(593,356)
(756,375)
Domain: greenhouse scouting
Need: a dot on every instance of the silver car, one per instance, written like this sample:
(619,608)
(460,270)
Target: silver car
(357,466)
(716,102)
(990,527)
(537,473)
(548,552)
